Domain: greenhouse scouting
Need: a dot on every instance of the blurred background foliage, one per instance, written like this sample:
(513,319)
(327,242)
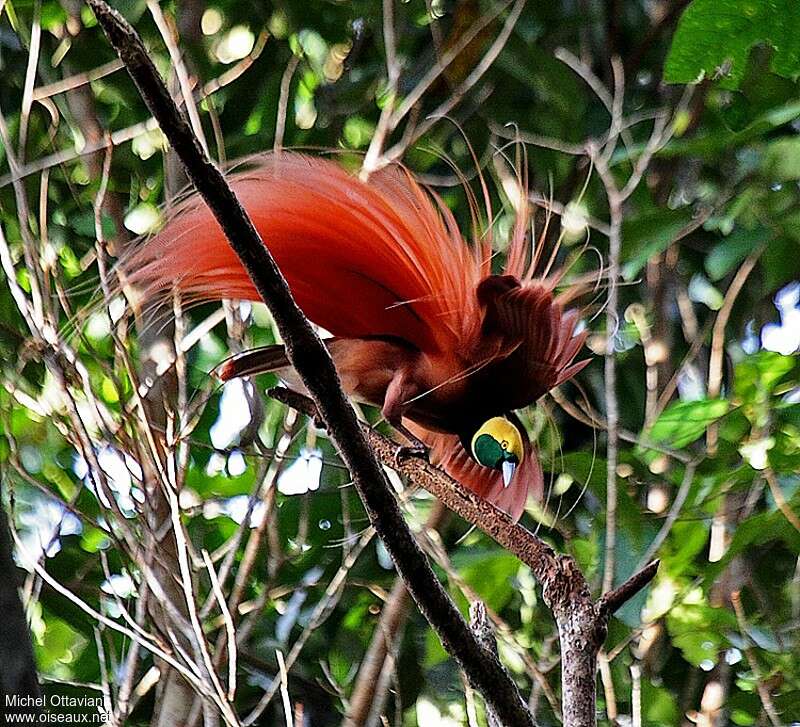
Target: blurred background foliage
(706,349)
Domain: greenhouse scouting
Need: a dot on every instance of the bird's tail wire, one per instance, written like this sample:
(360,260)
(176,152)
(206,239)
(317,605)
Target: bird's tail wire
(525,259)
(595,426)
(461,375)
(520,253)
(481,233)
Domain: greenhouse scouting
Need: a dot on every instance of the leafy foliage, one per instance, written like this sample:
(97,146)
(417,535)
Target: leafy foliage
(714,40)
(720,193)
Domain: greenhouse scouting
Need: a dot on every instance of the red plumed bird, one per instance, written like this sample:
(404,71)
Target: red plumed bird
(421,327)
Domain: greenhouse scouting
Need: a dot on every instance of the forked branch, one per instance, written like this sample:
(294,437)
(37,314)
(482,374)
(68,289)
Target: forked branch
(581,622)
(313,363)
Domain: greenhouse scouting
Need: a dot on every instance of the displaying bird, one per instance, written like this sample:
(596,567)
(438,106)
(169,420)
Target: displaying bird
(421,327)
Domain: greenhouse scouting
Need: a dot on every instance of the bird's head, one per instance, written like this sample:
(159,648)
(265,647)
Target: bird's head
(498,444)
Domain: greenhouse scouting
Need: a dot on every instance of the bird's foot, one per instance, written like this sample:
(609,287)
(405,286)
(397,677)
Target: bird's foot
(415,447)
(406,451)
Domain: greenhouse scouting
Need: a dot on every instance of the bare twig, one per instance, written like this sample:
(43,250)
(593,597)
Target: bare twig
(30,77)
(607,679)
(284,679)
(413,98)
(312,362)
(230,629)
(283,101)
(718,337)
(672,515)
(763,692)
(581,623)
(780,500)
(616,195)
(613,600)
(77,80)
(636,694)
(122,136)
(397,151)
(385,125)
(179,68)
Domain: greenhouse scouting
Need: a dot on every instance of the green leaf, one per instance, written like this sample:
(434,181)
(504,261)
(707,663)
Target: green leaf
(683,423)
(757,376)
(714,38)
(756,530)
(687,540)
(660,707)
(648,235)
(728,253)
(490,574)
(697,629)
(782,159)
(83,224)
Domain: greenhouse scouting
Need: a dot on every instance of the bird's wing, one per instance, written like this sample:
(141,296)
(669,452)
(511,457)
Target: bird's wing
(376,258)
(447,452)
(537,338)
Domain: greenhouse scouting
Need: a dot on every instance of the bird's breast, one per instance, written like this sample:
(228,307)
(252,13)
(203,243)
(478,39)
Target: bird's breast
(445,402)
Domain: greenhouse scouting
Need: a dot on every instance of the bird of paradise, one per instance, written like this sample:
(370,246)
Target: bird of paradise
(420,325)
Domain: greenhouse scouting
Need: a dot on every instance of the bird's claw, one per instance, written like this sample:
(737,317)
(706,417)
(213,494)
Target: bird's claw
(406,451)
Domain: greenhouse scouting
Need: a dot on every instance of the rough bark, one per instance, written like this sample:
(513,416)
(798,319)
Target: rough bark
(313,363)
(581,623)
(18,671)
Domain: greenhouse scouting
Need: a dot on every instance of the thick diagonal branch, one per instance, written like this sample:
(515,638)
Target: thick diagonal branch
(313,363)
(582,624)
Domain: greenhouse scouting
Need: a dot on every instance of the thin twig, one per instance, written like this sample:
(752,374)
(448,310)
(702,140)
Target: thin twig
(284,679)
(718,338)
(283,101)
(397,151)
(613,600)
(636,694)
(230,629)
(761,688)
(77,80)
(385,125)
(313,363)
(672,516)
(780,500)
(122,136)
(179,69)
(609,693)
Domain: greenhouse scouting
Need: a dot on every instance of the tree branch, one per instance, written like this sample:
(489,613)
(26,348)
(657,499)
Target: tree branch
(480,624)
(515,538)
(313,363)
(615,599)
(19,675)
(582,624)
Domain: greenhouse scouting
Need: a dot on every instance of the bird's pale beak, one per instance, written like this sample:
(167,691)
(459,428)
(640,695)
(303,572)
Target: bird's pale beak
(508,472)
